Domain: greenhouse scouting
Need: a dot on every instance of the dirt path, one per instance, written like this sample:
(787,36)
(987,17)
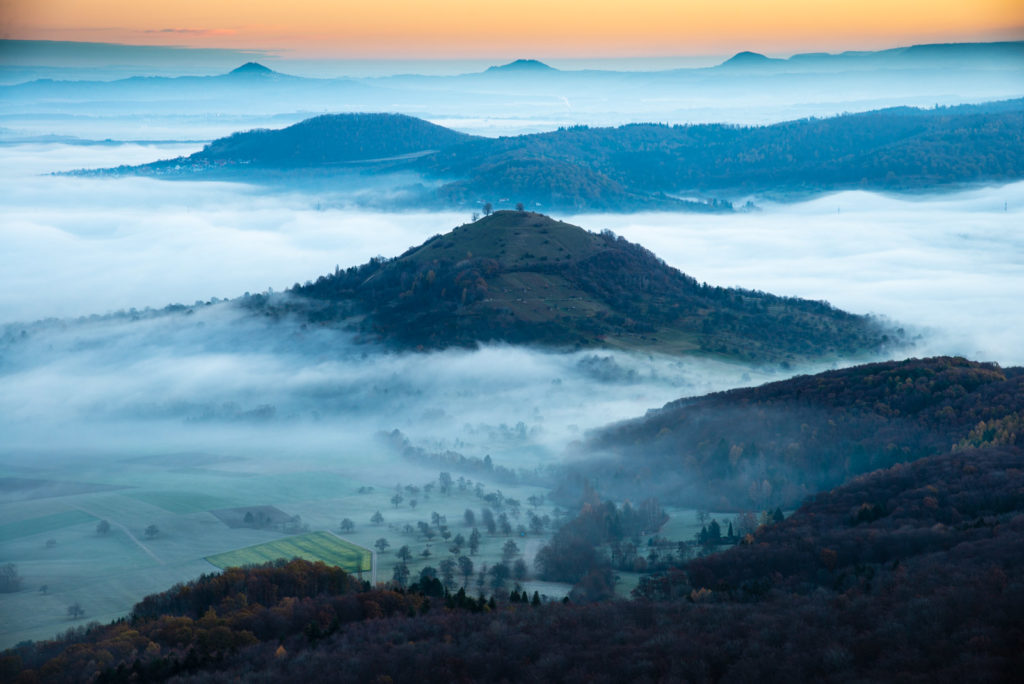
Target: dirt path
(127,532)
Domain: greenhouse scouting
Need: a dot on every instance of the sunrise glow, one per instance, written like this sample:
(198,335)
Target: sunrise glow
(466,28)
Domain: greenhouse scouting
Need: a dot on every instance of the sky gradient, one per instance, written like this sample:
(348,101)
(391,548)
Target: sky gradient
(476,28)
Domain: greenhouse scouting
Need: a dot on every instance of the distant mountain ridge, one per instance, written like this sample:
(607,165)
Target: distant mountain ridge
(524,278)
(509,99)
(640,166)
(747,59)
(908,55)
(900,57)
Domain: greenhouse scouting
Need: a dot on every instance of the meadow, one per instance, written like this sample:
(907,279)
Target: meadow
(63,558)
(181,496)
(314,546)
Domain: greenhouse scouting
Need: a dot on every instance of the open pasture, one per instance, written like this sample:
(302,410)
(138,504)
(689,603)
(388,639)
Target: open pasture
(315,546)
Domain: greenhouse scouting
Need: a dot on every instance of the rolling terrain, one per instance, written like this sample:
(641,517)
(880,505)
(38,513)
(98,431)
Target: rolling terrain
(631,167)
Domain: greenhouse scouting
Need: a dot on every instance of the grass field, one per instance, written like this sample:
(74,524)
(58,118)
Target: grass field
(46,523)
(315,546)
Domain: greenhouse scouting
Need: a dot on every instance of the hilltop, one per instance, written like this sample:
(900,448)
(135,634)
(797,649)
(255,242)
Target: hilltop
(524,278)
(328,139)
(747,58)
(521,65)
(252,69)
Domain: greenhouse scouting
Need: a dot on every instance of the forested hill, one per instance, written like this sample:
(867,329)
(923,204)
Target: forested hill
(776,444)
(637,165)
(901,148)
(328,139)
(524,278)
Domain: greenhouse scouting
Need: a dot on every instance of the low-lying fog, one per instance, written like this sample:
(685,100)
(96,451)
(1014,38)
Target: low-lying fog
(949,267)
(208,379)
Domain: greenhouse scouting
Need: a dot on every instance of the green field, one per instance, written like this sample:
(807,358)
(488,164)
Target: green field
(315,546)
(47,523)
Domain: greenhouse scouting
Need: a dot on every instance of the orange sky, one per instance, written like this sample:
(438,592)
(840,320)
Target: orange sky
(484,28)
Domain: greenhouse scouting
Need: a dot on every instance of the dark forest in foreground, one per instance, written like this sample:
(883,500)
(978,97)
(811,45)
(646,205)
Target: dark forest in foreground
(911,574)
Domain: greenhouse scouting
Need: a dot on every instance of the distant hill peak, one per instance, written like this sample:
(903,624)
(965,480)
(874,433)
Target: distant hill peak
(747,58)
(522,65)
(515,239)
(252,69)
(330,139)
(517,219)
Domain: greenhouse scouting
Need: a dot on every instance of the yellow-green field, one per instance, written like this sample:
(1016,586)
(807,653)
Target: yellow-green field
(315,546)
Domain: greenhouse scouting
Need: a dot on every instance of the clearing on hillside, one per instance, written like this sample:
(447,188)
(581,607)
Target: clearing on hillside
(315,546)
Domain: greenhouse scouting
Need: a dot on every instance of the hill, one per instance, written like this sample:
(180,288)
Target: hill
(252,69)
(521,66)
(774,445)
(328,139)
(637,166)
(747,59)
(901,148)
(524,278)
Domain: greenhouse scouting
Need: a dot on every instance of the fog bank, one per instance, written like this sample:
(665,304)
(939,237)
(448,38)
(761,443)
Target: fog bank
(216,377)
(953,264)
(949,266)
